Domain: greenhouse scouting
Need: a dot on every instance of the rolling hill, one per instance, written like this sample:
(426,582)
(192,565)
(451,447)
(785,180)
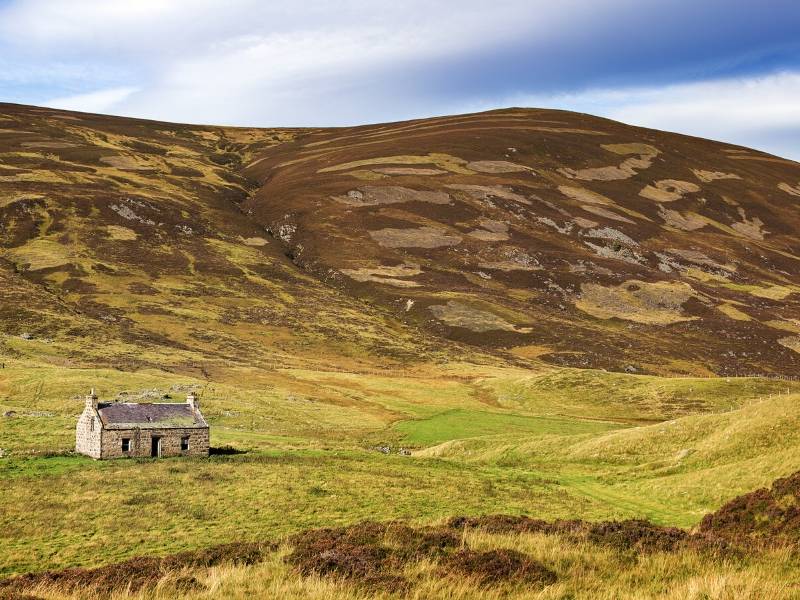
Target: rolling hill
(531,233)
(528,312)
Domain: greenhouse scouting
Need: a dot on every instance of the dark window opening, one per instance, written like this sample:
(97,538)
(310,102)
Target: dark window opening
(126,444)
(91,424)
(184,444)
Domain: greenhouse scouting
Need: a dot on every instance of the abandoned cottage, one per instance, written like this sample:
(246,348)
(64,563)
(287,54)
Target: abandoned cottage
(126,429)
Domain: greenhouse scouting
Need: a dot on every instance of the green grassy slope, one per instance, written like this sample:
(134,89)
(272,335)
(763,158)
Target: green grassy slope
(308,440)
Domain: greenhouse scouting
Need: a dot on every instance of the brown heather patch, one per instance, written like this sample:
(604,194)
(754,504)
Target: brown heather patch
(497,566)
(138,573)
(368,554)
(765,517)
(635,535)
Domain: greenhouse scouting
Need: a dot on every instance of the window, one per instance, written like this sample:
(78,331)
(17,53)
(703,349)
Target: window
(91,424)
(126,444)
(184,444)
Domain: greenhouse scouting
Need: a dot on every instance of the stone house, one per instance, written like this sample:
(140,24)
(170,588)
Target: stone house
(127,429)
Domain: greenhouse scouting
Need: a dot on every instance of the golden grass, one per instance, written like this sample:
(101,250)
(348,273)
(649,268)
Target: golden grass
(734,313)
(584,571)
(447,162)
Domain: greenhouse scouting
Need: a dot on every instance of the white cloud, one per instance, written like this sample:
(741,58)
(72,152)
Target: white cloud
(98,102)
(250,62)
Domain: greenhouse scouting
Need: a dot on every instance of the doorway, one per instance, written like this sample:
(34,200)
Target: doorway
(155,447)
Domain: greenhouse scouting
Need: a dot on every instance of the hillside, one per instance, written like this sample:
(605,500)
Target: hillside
(552,235)
(522,312)
(563,236)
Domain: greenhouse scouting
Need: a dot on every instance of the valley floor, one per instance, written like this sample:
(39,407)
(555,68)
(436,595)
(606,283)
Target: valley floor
(299,449)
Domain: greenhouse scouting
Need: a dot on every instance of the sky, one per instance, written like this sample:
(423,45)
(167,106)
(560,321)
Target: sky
(723,69)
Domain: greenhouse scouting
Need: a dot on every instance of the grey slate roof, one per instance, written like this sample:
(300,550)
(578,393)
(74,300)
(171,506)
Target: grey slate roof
(128,415)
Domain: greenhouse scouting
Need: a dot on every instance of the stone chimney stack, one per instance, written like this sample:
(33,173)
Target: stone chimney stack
(192,400)
(91,400)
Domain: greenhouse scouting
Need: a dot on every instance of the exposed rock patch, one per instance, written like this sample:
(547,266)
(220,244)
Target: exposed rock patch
(126,212)
(566,228)
(608,233)
(617,252)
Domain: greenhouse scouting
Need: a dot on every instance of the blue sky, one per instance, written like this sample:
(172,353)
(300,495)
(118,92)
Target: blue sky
(725,69)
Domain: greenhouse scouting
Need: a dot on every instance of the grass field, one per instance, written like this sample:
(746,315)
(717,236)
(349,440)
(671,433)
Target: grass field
(581,571)
(485,439)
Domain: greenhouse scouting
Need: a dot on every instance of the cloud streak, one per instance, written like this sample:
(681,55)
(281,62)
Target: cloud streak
(675,64)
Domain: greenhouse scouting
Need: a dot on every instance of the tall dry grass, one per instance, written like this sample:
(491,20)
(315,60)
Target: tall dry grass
(585,572)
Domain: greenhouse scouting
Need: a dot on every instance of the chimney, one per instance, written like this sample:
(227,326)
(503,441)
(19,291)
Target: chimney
(192,400)
(91,400)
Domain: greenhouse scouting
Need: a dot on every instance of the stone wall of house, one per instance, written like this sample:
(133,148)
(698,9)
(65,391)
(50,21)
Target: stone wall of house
(88,433)
(141,442)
